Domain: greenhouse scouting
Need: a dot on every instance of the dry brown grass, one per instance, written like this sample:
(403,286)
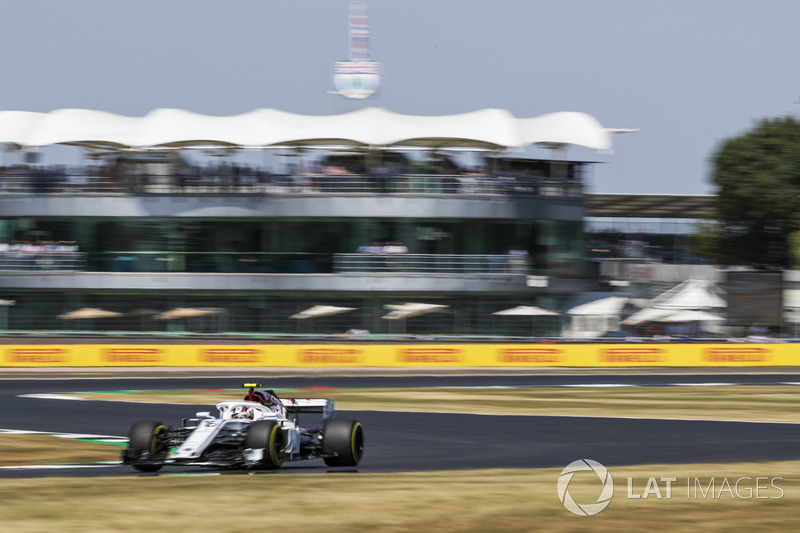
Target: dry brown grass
(757,403)
(491,500)
(18,450)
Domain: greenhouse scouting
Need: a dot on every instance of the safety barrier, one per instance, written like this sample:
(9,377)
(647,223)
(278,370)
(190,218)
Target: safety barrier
(400,355)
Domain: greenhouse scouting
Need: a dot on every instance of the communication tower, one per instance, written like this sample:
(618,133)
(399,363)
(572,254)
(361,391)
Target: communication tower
(357,78)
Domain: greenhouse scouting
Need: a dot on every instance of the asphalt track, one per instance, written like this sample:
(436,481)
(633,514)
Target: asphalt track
(401,442)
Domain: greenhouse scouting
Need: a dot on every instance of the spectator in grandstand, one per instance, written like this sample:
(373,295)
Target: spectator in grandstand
(517,259)
(374,248)
(395,251)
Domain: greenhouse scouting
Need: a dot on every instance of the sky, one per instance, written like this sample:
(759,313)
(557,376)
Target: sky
(688,74)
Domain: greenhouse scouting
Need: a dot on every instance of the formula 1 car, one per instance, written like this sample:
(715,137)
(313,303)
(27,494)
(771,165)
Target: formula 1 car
(260,432)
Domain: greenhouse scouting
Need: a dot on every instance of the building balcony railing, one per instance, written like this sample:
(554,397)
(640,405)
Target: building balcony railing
(305,184)
(46,261)
(270,263)
(450,264)
(319,266)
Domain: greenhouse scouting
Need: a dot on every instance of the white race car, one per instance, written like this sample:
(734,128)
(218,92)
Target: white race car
(260,432)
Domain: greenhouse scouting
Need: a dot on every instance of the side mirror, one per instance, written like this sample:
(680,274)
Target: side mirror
(203,414)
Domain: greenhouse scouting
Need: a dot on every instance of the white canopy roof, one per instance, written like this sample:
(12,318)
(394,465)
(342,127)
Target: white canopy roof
(369,127)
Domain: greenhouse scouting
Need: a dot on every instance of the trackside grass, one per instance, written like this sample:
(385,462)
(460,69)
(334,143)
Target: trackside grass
(756,403)
(706,497)
(489,500)
(16,450)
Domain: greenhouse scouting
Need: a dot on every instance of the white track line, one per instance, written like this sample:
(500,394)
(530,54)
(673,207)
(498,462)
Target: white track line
(703,384)
(50,397)
(537,415)
(104,438)
(57,467)
(599,385)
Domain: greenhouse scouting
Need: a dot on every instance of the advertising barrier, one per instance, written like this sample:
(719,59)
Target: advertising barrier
(400,355)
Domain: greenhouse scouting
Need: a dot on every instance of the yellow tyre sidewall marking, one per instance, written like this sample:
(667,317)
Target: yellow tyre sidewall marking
(273,452)
(356,427)
(154,441)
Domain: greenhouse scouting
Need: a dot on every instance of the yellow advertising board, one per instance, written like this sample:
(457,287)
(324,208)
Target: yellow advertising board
(400,355)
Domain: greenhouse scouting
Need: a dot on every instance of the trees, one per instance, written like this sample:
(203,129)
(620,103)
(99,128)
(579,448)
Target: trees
(758,198)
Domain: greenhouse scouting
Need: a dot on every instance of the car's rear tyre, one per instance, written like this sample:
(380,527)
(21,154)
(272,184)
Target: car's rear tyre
(266,435)
(145,440)
(342,442)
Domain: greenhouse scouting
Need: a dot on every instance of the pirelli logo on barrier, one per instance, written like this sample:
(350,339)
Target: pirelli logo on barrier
(737,354)
(530,355)
(433,355)
(330,356)
(38,355)
(133,355)
(639,354)
(231,355)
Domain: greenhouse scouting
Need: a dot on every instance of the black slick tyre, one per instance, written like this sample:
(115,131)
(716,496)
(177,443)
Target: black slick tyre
(144,443)
(342,442)
(266,435)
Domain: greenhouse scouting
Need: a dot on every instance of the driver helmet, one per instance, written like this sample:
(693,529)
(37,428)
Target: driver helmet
(242,411)
(256,396)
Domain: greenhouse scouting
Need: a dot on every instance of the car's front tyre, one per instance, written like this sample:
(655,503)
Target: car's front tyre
(145,443)
(266,436)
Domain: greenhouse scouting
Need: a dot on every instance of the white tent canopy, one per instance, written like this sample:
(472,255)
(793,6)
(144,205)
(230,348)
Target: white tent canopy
(593,318)
(649,314)
(691,294)
(370,127)
(691,315)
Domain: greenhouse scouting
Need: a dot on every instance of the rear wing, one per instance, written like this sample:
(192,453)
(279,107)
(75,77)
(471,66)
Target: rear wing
(325,406)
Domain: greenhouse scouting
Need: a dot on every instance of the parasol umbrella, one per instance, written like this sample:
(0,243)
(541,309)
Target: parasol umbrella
(321,310)
(410,309)
(611,305)
(184,312)
(88,312)
(525,310)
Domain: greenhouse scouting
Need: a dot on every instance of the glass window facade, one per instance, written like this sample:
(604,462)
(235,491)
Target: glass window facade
(302,245)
